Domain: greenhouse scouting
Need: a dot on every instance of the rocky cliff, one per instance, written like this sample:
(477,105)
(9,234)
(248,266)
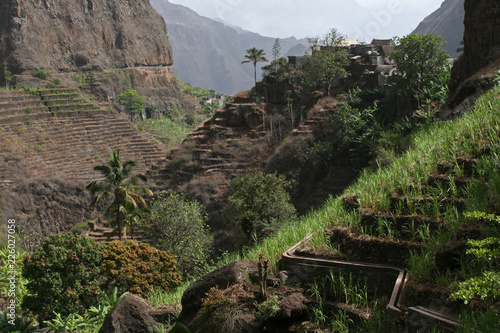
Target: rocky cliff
(85,34)
(90,36)
(474,71)
(446,22)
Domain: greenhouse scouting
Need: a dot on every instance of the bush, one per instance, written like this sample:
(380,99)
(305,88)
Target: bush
(179,226)
(41,74)
(135,267)
(63,275)
(16,325)
(259,202)
(6,271)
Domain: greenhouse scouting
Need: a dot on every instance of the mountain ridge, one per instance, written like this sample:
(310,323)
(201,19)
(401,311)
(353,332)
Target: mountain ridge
(208,53)
(447,22)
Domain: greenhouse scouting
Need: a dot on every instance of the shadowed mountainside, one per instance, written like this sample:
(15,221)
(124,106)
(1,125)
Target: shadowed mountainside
(208,53)
(446,22)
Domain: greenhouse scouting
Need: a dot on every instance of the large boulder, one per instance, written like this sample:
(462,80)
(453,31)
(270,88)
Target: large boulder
(223,277)
(130,315)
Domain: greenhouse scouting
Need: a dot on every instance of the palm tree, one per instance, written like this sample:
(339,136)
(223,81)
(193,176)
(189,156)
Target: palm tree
(255,56)
(119,184)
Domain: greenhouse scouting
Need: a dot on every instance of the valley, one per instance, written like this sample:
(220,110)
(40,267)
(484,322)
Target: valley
(341,193)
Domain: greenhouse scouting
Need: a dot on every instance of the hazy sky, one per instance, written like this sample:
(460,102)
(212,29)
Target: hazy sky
(358,19)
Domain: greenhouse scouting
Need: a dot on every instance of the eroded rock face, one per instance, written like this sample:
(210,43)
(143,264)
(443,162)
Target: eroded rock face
(83,34)
(474,71)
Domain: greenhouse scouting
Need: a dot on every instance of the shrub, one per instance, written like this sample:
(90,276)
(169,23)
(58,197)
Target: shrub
(7,269)
(179,226)
(63,275)
(38,73)
(16,324)
(259,202)
(138,267)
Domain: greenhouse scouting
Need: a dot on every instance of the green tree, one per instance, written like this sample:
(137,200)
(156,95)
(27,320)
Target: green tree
(63,275)
(421,64)
(6,74)
(327,62)
(132,218)
(255,56)
(132,101)
(277,49)
(179,226)
(120,184)
(259,202)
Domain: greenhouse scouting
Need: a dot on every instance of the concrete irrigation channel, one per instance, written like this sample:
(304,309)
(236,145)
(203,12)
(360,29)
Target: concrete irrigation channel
(383,279)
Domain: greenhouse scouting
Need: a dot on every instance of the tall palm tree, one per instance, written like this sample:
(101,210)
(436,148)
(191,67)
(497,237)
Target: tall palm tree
(119,184)
(255,56)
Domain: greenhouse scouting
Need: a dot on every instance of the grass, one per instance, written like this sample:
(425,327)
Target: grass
(465,136)
(168,131)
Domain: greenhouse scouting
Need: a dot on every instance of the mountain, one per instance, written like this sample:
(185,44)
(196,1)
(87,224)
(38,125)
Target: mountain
(447,22)
(209,53)
(95,37)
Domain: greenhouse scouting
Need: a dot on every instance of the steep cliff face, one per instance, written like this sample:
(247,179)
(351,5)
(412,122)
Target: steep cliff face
(93,37)
(474,71)
(446,22)
(84,34)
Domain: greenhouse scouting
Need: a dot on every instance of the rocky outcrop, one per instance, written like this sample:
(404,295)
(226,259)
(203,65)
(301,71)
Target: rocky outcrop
(93,37)
(447,22)
(474,71)
(90,34)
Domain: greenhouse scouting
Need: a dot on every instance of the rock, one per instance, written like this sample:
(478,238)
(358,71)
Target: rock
(129,315)
(474,71)
(243,97)
(448,256)
(293,307)
(350,202)
(243,115)
(223,277)
(83,34)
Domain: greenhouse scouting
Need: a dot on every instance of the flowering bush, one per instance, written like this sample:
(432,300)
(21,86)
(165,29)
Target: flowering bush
(63,276)
(138,267)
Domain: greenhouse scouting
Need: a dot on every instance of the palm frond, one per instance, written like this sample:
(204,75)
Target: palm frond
(137,198)
(98,186)
(99,198)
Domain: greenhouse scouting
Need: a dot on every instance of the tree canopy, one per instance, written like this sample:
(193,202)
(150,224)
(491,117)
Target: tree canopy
(421,63)
(119,184)
(179,226)
(259,202)
(254,56)
(132,101)
(327,62)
